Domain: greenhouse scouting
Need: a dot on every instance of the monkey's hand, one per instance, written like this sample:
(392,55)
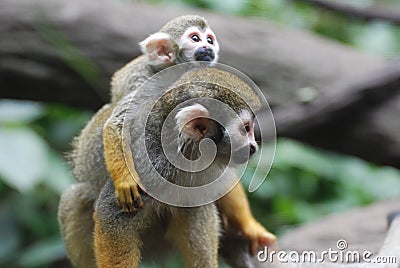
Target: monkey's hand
(258,235)
(127,194)
(121,167)
(236,216)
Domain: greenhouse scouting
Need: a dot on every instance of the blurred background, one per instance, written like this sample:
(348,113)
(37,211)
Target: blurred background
(316,171)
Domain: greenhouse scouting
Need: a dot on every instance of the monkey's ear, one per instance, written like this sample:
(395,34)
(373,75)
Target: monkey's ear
(160,50)
(193,122)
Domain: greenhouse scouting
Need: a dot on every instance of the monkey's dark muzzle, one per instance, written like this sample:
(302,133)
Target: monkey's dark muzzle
(204,54)
(243,154)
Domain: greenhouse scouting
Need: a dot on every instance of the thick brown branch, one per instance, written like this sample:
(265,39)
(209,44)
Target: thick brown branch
(361,13)
(344,100)
(49,48)
(355,117)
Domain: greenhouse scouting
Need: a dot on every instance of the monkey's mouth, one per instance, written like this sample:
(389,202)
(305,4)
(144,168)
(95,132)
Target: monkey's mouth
(241,155)
(204,54)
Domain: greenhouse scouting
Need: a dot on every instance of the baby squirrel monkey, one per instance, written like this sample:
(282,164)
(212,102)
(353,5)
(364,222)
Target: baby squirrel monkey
(124,239)
(184,39)
(98,150)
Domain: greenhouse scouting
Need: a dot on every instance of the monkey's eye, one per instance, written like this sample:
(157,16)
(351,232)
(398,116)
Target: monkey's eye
(245,129)
(210,40)
(195,38)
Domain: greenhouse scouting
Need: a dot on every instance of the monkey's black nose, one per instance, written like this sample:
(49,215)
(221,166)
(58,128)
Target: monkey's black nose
(243,154)
(204,54)
(252,149)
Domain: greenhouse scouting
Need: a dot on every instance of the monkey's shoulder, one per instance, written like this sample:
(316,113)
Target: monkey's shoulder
(130,77)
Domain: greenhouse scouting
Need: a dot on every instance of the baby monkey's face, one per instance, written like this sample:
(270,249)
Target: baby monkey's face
(199,45)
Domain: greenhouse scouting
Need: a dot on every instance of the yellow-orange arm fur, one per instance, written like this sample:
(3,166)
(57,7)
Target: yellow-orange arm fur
(122,170)
(235,210)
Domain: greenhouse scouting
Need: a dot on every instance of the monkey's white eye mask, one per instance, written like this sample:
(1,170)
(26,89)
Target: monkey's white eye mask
(199,45)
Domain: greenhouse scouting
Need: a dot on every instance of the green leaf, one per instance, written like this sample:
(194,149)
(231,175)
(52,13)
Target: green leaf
(377,38)
(42,253)
(58,176)
(23,157)
(9,233)
(290,153)
(19,111)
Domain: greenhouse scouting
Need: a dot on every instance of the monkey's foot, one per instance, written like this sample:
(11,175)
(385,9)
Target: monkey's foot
(258,236)
(128,196)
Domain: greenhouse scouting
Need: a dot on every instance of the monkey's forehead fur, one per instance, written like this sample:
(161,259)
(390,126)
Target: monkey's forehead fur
(176,27)
(214,83)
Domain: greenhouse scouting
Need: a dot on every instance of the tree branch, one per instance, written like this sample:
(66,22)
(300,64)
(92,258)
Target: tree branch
(354,97)
(49,49)
(361,13)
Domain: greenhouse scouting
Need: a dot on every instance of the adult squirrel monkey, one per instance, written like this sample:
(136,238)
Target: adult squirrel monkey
(98,151)
(124,239)
(184,39)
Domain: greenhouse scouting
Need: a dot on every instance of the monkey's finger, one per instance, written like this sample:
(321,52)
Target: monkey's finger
(125,201)
(139,202)
(124,207)
(131,207)
(267,240)
(137,199)
(129,201)
(128,205)
(118,197)
(262,241)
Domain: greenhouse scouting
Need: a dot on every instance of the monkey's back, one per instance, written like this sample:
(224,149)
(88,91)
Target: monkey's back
(129,78)
(87,156)
(147,110)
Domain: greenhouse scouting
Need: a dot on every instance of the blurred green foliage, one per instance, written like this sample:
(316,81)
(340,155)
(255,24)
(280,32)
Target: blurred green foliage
(33,173)
(304,183)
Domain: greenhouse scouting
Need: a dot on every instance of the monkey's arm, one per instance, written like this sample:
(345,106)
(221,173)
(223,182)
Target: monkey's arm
(120,165)
(235,210)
